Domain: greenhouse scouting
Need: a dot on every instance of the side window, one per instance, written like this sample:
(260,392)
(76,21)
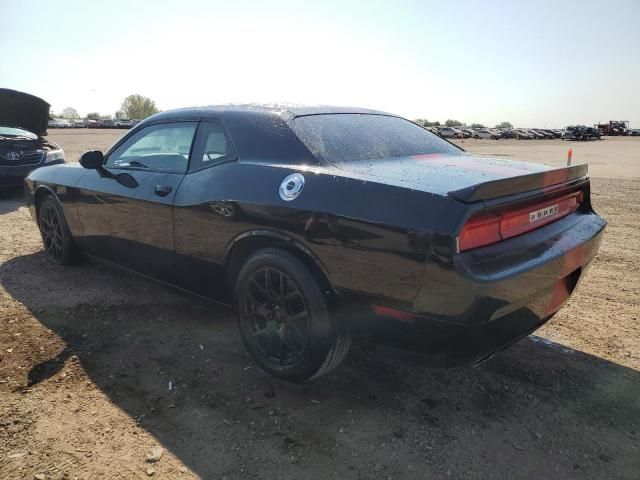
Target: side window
(212,146)
(163,147)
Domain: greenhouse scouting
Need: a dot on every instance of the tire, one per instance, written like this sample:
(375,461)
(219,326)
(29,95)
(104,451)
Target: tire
(284,319)
(56,237)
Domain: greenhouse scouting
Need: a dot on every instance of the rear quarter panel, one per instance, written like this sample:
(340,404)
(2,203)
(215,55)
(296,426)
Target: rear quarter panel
(369,237)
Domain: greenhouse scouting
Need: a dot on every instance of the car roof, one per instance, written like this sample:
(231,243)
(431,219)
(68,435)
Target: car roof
(259,131)
(236,110)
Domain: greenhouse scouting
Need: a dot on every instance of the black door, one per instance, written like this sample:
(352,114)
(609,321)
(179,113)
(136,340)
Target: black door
(133,225)
(203,221)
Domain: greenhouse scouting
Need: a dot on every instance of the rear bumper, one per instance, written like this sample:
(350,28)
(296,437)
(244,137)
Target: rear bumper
(489,298)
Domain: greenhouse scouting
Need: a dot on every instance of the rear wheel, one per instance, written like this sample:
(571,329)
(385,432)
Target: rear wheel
(55,233)
(284,318)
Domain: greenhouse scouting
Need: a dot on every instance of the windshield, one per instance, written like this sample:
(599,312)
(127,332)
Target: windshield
(16,132)
(342,138)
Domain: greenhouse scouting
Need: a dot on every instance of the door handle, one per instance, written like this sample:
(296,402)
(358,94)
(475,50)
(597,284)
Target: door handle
(163,190)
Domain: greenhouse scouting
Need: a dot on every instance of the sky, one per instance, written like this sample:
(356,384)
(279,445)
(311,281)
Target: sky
(532,63)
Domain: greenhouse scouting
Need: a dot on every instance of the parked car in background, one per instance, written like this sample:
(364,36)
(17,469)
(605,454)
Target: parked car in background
(486,133)
(134,122)
(262,208)
(93,123)
(58,123)
(572,132)
(551,133)
(543,133)
(581,132)
(634,133)
(508,133)
(467,132)
(433,130)
(537,134)
(593,133)
(522,134)
(122,123)
(23,148)
(79,123)
(450,132)
(534,134)
(105,123)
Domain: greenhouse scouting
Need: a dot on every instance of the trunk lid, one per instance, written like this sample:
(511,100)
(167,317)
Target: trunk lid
(466,177)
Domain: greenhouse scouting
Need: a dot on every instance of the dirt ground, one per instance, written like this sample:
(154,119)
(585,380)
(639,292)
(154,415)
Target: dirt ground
(614,157)
(106,375)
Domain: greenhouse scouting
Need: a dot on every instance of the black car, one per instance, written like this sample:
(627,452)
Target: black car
(580,132)
(23,123)
(572,132)
(323,224)
(593,133)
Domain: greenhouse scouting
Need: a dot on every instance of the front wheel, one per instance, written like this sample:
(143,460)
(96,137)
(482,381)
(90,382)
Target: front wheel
(55,233)
(284,318)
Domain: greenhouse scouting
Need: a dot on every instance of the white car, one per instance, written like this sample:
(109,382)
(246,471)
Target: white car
(58,123)
(450,132)
(123,123)
(486,133)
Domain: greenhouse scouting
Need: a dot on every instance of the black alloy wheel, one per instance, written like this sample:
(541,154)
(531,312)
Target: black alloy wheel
(276,316)
(56,237)
(51,232)
(284,318)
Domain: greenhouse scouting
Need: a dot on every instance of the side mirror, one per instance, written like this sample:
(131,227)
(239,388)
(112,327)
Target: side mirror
(92,160)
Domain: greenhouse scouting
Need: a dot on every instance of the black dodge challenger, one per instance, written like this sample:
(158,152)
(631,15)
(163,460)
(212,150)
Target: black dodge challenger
(324,224)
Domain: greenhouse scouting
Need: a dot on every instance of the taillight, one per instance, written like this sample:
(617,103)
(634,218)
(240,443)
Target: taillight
(486,229)
(480,231)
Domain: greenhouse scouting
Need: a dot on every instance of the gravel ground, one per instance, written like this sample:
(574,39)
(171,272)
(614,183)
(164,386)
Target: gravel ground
(106,375)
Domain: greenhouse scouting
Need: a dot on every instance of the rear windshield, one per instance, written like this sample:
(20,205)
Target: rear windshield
(343,138)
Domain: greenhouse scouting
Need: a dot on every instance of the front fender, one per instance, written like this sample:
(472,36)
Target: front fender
(59,181)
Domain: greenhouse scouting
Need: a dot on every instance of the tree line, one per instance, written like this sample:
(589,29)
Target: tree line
(139,107)
(134,107)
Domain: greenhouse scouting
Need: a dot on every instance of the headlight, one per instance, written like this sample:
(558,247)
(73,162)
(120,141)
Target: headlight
(56,156)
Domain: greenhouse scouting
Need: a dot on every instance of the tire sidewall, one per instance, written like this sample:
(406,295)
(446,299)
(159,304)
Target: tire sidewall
(322,334)
(67,242)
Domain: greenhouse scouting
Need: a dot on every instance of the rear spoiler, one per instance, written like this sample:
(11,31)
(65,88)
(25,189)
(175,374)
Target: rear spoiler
(519,184)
